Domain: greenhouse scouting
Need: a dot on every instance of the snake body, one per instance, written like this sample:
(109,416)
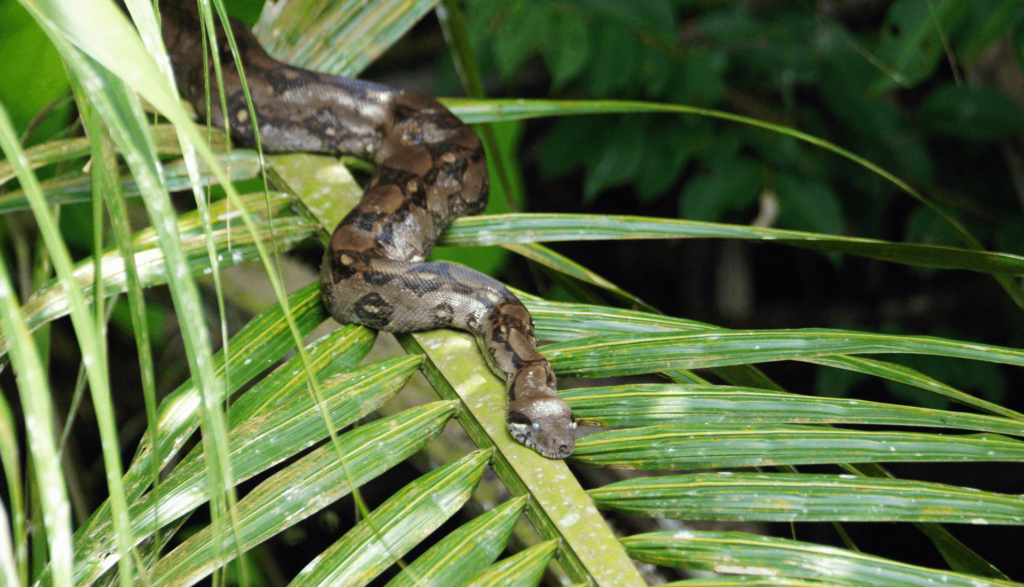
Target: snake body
(430,170)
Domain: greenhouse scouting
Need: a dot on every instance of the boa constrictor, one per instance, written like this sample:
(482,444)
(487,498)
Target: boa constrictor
(431,169)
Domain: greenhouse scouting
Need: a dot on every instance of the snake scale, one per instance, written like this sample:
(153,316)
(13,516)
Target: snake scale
(430,169)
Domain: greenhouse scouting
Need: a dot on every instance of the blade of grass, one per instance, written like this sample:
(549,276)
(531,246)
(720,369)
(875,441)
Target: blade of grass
(104,172)
(9,567)
(74,187)
(51,301)
(92,355)
(10,457)
(71,21)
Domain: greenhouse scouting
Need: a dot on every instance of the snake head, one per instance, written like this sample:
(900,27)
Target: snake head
(544,424)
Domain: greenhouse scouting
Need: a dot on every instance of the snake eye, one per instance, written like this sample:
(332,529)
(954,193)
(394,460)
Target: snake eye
(535,425)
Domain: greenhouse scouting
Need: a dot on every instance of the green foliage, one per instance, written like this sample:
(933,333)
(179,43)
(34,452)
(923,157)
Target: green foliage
(816,73)
(886,88)
(980,113)
(32,74)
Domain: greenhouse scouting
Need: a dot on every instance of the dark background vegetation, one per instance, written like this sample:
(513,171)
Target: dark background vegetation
(931,90)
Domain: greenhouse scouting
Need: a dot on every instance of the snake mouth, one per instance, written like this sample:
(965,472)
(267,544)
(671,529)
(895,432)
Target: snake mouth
(525,436)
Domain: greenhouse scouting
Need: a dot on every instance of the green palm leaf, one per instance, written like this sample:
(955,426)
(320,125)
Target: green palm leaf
(470,548)
(397,525)
(305,487)
(533,228)
(737,553)
(804,498)
(689,423)
(525,568)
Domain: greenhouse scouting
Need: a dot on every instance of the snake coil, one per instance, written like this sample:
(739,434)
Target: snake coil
(431,169)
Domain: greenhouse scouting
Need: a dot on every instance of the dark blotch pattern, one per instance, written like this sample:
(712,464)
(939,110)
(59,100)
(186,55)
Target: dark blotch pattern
(516,418)
(373,310)
(442,315)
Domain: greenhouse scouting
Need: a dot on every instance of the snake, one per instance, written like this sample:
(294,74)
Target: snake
(430,168)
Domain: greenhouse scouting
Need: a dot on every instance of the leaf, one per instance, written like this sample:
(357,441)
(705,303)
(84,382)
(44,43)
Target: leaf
(465,551)
(559,509)
(281,433)
(76,187)
(805,498)
(569,144)
(746,554)
(631,354)
(983,379)
(700,77)
(974,113)
(615,52)
(668,147)
(233,242)
(307,486)
(261,343)
(524,569)
(396,526)
(911,45)
(655,16)
(319,36)
(621,159)
(749,581)
(809,205)
(519,228)
(33,73)
(563,321)
(732,186)
(650,404)
(707,446)
(957,555)
(524,33)
(569,50)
